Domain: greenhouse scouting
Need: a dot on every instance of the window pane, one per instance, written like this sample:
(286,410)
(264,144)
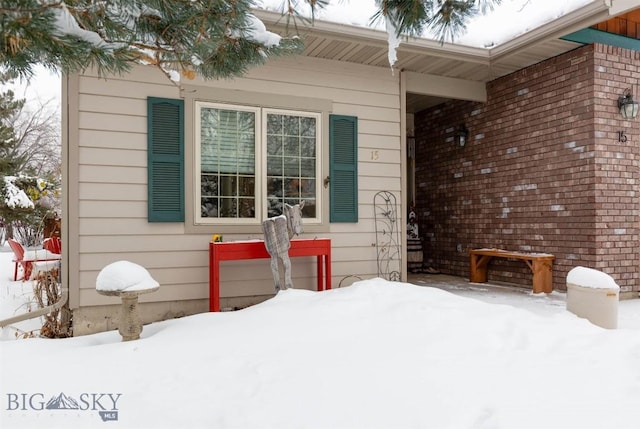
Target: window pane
(291,162)
(274,124)
(274,207)
(308,127)
(228,186)
(291,125)
(292,188)
(228,207)
(308,147)
(308,167)
(274,187)
(307,188)
(209,207)
(274,144)
(246,186)
(291,166)
(274,166)
(227,162)
(209,185)
(309,209)
(247,208)
(291,146)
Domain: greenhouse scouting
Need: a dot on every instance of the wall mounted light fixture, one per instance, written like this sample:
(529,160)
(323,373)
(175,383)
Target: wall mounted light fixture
(627,105)
(462,135)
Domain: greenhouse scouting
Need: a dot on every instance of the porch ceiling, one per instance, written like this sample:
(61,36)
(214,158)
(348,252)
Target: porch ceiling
(340,42)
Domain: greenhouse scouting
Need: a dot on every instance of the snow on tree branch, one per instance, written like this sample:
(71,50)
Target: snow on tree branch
(210,38)
(66,24)
(258,33)
(24,192)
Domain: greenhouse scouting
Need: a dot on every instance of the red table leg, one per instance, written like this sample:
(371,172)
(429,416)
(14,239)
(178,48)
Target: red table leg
(214,282)
(327,264)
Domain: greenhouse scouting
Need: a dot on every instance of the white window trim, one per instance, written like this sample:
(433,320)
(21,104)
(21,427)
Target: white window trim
(260,189)
(198,174)
(318,117)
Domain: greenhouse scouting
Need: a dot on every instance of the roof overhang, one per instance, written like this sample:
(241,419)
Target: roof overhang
(368,46)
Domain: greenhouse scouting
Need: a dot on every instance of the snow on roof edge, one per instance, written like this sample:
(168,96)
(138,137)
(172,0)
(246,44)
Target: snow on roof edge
(484,32)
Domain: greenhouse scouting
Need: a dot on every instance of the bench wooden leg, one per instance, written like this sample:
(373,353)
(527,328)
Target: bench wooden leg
(542,276)
(478,266)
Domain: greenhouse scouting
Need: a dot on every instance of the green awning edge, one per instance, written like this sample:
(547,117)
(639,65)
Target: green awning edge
(591,35)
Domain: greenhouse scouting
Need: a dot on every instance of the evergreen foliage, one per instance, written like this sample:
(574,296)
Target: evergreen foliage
(25,200)
(444,18)
(10,157)
(210,38)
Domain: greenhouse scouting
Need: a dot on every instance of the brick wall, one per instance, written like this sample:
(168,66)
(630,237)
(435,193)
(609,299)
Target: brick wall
(616,169)
(542,171)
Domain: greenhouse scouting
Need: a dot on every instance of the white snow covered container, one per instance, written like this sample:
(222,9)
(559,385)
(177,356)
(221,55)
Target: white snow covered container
(593,295)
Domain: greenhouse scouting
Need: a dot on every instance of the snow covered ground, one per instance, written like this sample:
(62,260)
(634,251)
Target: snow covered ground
(373,355)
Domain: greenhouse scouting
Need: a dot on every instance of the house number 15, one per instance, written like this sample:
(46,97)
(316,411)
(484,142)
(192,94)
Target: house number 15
(622,137)
(374,155)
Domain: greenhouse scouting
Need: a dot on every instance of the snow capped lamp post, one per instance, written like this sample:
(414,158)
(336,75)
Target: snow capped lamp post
(127,281)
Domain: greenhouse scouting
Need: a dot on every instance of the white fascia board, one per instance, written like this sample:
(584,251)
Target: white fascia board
(586,16)
(373,37)
(445,50)
(447,87)
(343,31)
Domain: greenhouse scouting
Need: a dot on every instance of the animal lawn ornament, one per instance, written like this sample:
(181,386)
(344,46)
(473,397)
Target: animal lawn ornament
(278,231)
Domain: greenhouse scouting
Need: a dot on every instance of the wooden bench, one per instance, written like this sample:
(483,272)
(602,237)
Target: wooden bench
(540,264)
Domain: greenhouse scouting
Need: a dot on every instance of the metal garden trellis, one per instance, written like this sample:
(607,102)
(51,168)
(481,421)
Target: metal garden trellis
(388,248)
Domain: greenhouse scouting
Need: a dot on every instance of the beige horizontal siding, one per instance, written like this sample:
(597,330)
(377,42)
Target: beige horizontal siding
(113,192)
(90,297)
(378,142)
(113,122)
(96,209)
(374,183)
(113,139)
(99,156)
(126,88)
(112,179)
(150,260)
(113,105)
(111,174)
(370,113)
(366,127)
(378,169)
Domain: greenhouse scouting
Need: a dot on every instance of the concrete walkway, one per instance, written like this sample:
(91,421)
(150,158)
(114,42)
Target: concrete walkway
(541,303)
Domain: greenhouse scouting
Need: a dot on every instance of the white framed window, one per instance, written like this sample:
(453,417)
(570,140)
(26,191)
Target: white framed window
(251,160)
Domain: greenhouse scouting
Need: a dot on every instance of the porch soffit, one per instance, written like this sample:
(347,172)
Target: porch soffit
(360,45)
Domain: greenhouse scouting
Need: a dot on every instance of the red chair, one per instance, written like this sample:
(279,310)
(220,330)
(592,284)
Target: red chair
(27,262)
(18,252)
(53,245)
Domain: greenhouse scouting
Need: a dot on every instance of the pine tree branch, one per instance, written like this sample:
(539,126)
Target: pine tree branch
(214,38)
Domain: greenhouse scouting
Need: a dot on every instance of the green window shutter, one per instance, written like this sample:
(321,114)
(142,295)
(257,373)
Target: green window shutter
(343,168)
(165,157)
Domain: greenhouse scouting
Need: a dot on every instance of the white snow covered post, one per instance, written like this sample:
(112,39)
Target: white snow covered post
(593,295)
(127,281)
